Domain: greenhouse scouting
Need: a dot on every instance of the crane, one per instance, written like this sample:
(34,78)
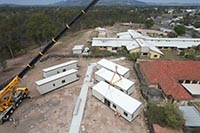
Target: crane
(11,96)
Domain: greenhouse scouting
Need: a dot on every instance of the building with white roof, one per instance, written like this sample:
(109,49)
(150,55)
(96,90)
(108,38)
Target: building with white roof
(54,82)
(47,72)
(78,49)
(123,71)
(116,80)
(193,89)
(191,116)
(118,101)
(136,43)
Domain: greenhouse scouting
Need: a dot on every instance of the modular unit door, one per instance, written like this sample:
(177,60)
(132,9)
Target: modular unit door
(107,102)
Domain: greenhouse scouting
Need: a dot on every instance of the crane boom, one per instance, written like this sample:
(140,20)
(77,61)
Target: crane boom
(10,96)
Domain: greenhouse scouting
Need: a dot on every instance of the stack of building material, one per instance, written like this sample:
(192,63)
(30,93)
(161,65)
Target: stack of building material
(123,71)
(47,72)
(116,80)
(118,101)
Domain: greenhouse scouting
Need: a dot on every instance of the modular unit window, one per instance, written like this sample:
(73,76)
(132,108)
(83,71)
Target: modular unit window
(145,54)
(155,56)
(194,81)
(57,72)
(180,81)
(63,81)
(54,85)
(64,70)
(114,106)
(114,48)
(187,81)
(125,114)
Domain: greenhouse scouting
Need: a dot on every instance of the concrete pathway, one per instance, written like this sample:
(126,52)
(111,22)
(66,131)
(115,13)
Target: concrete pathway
(81,101)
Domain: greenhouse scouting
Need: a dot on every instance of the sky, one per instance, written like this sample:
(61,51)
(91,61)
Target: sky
(43,2)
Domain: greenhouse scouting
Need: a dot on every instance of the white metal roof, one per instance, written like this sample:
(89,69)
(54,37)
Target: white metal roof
(132,39)
(78,47)
(119,98)
(130,34)
(112,66)
(59,66)
(172,42)
(194,89)
(133,45)
(191,115)
(54,77)
(110,42)
(143,44)
(124,83)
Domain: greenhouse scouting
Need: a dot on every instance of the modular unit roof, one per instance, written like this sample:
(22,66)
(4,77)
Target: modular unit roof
(78,47)
(55,77)
(119,98)
(112,66)
(191,115)
(59,66)
(194,89)
(124,83)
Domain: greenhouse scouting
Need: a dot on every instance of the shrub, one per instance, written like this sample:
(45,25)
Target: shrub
(166,116)
(134,56)
(172,35)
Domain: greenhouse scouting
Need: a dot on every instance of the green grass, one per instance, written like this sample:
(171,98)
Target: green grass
(172,55)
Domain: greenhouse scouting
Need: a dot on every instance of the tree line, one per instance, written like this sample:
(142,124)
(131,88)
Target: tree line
(24,28)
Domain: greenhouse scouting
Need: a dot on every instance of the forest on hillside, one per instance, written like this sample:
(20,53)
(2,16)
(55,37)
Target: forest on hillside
(25,28)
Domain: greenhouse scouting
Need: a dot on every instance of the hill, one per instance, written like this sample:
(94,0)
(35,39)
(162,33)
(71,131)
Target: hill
(102,3)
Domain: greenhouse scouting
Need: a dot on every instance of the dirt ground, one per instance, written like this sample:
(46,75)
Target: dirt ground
(52,112)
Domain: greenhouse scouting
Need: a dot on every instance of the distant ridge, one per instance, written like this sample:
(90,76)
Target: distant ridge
(68,3)
(102,3)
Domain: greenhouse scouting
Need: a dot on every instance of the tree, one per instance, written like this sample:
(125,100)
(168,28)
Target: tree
(40,28)
(172,35)
(180,29)
(3,64)
(134,56)
(166,116)
(149,23)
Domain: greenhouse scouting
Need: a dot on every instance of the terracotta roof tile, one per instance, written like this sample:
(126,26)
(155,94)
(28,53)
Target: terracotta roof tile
(167,74)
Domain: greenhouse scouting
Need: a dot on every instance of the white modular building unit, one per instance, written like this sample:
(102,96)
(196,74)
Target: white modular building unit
(47,72)
(54,82)
(125,72)
(118,81)
(118,101)
(78,49)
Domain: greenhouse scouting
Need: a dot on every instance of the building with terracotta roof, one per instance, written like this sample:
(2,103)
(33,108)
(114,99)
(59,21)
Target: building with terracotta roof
(168,76)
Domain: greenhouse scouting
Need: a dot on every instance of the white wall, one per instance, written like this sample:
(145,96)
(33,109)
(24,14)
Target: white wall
(77,51)
(130,117)
(129,91)
(60,70)
(55,84)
